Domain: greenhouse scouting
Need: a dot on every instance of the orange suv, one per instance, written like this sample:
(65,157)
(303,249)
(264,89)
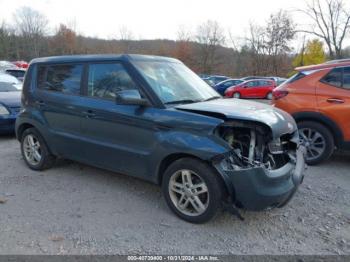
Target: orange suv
(318,97)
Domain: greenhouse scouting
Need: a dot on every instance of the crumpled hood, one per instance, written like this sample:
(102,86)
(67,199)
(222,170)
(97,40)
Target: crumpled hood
(10,99)
(279,121)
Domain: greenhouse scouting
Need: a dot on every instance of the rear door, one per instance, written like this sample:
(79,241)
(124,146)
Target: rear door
(333,98)
(58,99)
(265,87)
(260,90)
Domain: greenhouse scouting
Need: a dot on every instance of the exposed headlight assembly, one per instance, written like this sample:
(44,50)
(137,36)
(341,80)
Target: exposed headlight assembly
(4,111)
(276,147)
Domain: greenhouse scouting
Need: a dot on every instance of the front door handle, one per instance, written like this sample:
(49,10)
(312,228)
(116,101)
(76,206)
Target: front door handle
(335,100)
(89,113)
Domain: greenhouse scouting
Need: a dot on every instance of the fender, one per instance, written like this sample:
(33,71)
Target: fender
(35,122)
(185,144)
(321,118)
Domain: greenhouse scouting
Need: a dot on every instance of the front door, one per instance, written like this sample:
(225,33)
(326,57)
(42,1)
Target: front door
(117,137)
(250,90)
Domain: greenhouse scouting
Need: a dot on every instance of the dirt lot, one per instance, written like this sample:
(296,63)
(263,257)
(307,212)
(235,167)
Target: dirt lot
(77,209)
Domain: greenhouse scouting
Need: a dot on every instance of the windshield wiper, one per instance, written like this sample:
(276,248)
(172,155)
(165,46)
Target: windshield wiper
(212,98)
(184,101)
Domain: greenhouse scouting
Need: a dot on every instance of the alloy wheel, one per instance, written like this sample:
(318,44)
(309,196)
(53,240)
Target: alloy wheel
(32,150)
(314,142)
(188,192)
(236,95)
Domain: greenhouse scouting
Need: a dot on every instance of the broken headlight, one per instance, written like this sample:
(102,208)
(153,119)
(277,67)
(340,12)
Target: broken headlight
(276,146)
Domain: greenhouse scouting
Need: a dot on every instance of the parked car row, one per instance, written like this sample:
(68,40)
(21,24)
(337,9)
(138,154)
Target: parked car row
(15,64)
(246,87)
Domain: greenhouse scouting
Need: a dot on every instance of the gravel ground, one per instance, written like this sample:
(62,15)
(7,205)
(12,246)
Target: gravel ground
(77,209)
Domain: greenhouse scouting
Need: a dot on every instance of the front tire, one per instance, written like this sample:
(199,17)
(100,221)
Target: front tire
(35,151)
(192,190)
(269,96)
(317,139)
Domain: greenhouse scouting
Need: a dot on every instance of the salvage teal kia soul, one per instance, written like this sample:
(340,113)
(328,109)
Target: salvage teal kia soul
(153,118)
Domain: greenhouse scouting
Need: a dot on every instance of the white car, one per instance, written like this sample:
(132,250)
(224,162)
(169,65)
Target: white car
(6,65)
(5,78)
(16,72)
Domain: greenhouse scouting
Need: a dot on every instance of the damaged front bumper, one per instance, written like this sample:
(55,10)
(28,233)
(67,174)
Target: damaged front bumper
(258,188)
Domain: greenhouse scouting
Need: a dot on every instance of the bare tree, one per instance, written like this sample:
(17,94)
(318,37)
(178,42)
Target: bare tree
(184,34)
(280,30)
(32,26)
(184,47)
(256,48)
(64,41)
(125,36)
(210,35)
(330,22)
(5,43)
(269,45)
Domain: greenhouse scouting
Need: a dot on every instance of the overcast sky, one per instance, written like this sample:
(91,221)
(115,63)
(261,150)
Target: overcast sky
(149,19)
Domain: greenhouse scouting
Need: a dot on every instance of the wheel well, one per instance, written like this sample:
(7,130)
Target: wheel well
(167,161)
(326,122)
(173,157)
(21,129)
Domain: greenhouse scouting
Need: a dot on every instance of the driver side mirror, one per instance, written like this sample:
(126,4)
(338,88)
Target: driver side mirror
(130,97)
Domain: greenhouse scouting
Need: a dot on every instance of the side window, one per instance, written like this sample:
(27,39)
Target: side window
(251,83)
(60,78)
(228,84)
(106,80)
(346,78)
(262,83)
(333,77)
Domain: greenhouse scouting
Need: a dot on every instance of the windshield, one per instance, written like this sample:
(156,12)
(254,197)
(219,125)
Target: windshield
(174,83)
(8,87)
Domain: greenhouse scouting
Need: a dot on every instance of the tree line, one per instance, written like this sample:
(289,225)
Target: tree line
(265,50)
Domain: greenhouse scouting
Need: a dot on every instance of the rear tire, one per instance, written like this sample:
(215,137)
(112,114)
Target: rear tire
(317,139)
(34,150)
(192,190)
(236,95)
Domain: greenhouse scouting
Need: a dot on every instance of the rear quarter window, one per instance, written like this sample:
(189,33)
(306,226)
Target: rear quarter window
(60,78)
(296,77)
(333,78)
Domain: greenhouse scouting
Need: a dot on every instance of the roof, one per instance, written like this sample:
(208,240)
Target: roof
(327,65)
(104,57)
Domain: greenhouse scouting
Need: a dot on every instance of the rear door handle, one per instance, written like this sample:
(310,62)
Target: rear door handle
(89,113)
(40,103)
(335,100)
